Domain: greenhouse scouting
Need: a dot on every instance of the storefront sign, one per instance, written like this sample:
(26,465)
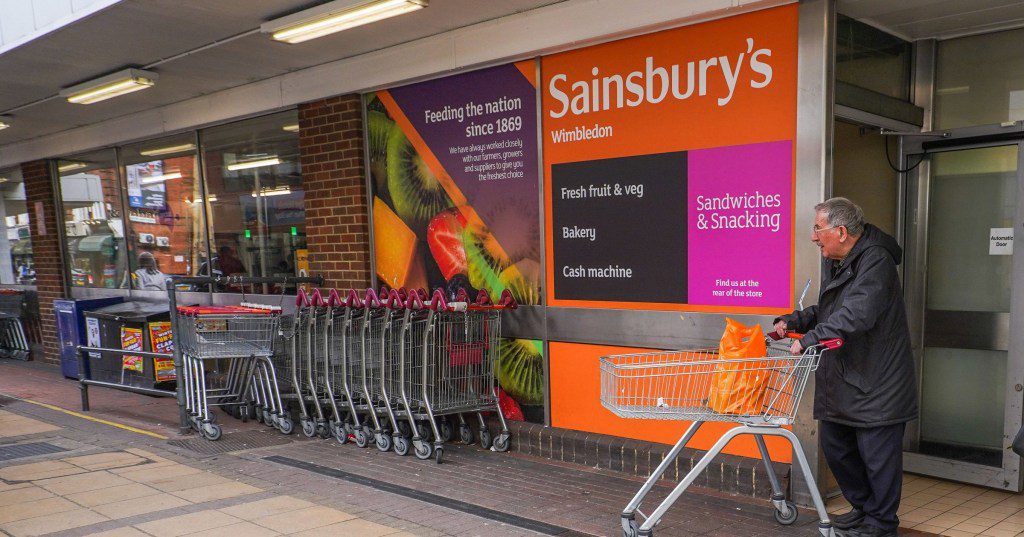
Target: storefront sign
(162,342)
(92,335)
(1000,241)
(455,173)
(142,194)
(669,170)
(131,340)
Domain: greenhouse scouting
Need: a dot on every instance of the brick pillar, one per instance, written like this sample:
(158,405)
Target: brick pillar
(45,250)
(333,177)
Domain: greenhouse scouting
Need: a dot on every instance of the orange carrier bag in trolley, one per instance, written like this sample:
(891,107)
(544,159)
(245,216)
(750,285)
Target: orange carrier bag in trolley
(739,384)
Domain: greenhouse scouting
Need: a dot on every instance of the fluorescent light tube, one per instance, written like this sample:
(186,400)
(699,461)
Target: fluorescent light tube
(71,166)
(275,192)
(294,127)
(335,17)
(157,151)
(106,87)
(245,165)
(3,179)
(5,121)
(160,178)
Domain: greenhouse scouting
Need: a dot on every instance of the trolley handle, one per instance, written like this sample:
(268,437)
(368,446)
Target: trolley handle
(830,344)
(415,302)
(301,299)
(372,300)
(507,301)
(316,298)
(353,299)
(483,298)
(394,300)
(334,299)
(438,302)
(461,295)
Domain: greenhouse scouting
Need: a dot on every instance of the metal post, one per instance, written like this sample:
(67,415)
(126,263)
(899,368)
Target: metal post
(183,422)
(82,386)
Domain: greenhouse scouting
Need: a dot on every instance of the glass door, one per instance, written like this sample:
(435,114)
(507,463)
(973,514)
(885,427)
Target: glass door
(961,276)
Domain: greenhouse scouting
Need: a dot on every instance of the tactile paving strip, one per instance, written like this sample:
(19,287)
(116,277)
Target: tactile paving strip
(232,442)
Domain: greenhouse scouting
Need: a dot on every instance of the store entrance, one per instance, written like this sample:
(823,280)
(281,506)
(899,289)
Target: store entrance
(963,205)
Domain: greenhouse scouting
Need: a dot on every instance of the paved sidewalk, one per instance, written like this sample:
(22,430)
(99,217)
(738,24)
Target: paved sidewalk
(255,481)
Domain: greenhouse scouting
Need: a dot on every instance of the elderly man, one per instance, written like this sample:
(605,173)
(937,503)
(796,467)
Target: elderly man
(865,391)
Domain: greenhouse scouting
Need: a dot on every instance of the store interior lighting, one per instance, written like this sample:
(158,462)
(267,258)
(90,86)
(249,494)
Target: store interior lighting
(294,127)
(247,164)
(3,179)
(5,122)
(71,166)
(106,87)
(171,149)
(336,16)
(160,178)
(273,192)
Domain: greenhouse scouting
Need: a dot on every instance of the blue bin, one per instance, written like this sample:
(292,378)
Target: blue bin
(71,330)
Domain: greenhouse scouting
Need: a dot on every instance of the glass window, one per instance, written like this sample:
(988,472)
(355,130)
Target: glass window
(16,268)
(165,222)
(872,59)
(257,219)
(94,219)
(979,80)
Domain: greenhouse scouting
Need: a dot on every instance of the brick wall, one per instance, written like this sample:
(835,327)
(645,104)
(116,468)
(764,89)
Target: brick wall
(331,153)
(45,251)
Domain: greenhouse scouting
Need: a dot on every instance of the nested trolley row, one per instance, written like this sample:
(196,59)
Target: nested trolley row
(397,369)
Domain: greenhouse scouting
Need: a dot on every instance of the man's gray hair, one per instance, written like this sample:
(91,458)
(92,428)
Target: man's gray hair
(843,212)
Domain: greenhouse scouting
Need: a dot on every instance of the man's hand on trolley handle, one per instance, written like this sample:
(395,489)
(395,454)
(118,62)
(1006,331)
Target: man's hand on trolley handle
(796,348)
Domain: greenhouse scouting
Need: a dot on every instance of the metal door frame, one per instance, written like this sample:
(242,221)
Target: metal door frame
(918,182)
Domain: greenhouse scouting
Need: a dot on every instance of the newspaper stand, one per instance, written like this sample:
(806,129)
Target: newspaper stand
(676,386)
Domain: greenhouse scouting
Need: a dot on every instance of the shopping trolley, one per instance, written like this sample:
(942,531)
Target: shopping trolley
(677,386)
(13,342)
(345,367)
(219,346)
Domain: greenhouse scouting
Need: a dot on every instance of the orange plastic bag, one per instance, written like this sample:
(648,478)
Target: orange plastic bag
(739,388)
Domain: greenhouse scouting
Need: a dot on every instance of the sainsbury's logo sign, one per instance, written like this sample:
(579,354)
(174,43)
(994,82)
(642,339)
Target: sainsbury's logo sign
(657,82)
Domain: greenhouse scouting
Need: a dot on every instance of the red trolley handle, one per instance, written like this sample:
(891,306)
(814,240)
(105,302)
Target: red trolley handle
(483,298)
(334,299)
(830,344)
(353,299)
(316,299)
(437,301)
(394,300)
(461,295)
(301,299)
(415,301)
(372,300)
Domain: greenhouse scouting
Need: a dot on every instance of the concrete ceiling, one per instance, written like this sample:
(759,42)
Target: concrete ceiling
(183,36)
(940,19)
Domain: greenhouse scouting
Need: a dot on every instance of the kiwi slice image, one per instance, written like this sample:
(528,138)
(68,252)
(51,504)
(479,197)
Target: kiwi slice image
(378,130)
(374,103)
(485,260)
(521,369)
(523,280)
(415,191)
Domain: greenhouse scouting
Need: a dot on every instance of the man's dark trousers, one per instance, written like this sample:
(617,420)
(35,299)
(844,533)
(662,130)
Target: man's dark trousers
(868,465)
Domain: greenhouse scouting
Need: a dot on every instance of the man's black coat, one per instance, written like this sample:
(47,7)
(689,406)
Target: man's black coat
(869,381)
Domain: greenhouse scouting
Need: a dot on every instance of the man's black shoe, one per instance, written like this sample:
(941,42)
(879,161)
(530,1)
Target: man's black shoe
(867,530)
(848,520)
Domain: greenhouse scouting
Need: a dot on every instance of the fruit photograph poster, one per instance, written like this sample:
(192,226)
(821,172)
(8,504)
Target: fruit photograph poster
(454,174)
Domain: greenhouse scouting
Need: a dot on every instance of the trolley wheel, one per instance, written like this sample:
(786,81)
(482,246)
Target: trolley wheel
(485,438)
(268,419)
(285,425)
(438,455)
(404,429)
(361,439)
(446,430)
(632,530)
(401,446)
(383,442)
(501,442)
(424,450)
(466,434)
(323,430)
(235,412)
(426,433)
(213,417)
(308,428)
(211,431)
(787,520)
(340,433)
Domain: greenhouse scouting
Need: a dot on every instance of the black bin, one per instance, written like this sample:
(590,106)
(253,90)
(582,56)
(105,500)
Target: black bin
(133,326)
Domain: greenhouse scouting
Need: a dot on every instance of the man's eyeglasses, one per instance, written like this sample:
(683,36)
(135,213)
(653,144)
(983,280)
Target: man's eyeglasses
(816,230)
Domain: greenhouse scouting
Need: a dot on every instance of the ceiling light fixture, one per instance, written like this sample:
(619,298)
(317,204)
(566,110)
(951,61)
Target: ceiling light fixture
(106,87)
(335,17)
(160,178)
(71,166)
(5,121)
(274,192)
(157,151)
(294,127)
(245,165)
(3,179)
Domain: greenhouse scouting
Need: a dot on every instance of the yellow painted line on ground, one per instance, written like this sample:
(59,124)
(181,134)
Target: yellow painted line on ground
(90,418)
